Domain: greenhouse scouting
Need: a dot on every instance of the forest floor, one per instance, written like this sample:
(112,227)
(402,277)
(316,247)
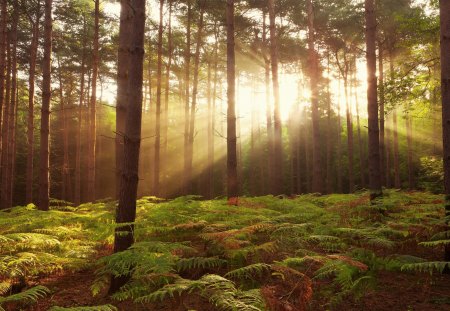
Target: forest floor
(335,252)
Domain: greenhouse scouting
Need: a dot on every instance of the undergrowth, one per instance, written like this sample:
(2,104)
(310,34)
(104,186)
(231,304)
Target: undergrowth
(248,257)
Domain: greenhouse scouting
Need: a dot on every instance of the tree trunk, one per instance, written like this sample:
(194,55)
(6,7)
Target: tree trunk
(397,183)
(156,170)
(12,109)
(30,118)
(268,109)
(445,90)
(362,167)
(317,184)
(193,107)
(122,84)
(232,178)
(3,47)
(92,107)
(372,105)
(348,114)
(329,174)
(338,143)
(383,174)
(44,176)
(187,56)
(165,139)
(5,129)
(210,152)
(77,194)
(277,173)
(409,132)
(126,210)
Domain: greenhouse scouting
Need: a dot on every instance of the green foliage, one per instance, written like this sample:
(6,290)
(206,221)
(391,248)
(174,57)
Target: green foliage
(28,296)
(431,174)
(93,308)
(427,267)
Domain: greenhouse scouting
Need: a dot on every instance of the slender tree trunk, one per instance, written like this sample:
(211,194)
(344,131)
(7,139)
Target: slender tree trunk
(397,182)
(232,178)
(30,119)
(269,126)
(409,132)
(339,144)
(166,94)
(445,90)
(383,174)
(210,152)
(187,177)
(126,210)
(44,176)
(277,173)
(348,114)
(329,174)
(156,170)
(5,128)
(92,107)
(317,184)
(362,167)
(122,85)
(193,107)
(372,105)
(77,196)
(12,109)
(3,65)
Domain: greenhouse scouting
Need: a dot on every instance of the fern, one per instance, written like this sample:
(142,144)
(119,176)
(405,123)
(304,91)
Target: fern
(199,263)
(29,296)
(249,272)
(427,267)
(94,308)
(435,243)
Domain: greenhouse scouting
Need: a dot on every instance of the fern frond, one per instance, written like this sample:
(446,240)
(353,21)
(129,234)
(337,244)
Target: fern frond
(435,243)
(249,272)
(184,264)
(29,296)
(426,267)
(86,308)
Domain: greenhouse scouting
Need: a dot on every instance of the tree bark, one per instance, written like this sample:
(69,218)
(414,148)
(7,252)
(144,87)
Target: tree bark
(372,105)
(93,107)
(445,91)
(187,59)
(269,126)
(193,107)
(397,183)
(122,85)
(3,65)
(362,167)
(126,210)
(383,174)
(156,169)
(30,118)
(5,128)
(165,138)
(409,137)
(232,178)
(277,173)
(77,194)
(317,183)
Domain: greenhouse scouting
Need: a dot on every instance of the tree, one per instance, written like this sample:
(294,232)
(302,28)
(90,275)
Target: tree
(156,171)
(93,106)
(277,172)
(317,184)
(232,178)
(122,85)
(44,177)
(372,104)
(126,210)
(445,89)
(31,85)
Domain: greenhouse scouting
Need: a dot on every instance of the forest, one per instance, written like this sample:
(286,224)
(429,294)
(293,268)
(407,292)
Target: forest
(224,155)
